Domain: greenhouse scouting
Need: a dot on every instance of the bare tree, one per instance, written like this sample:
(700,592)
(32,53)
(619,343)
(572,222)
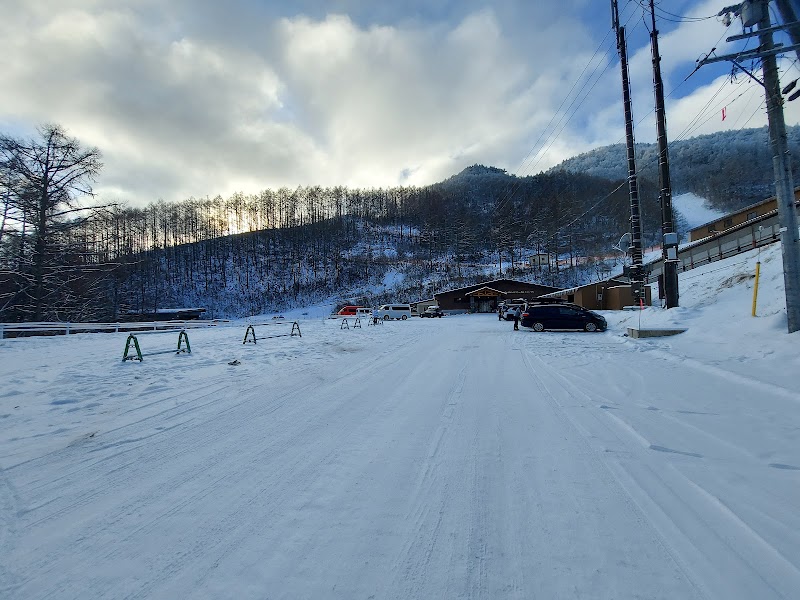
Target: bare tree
(48,174)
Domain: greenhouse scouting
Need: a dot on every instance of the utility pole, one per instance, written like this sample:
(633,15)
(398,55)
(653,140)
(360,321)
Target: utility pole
(669,242)
(784,183)
(756,12)
(789,10)
(636,270)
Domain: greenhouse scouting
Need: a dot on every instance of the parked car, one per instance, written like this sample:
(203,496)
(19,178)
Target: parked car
(393,311)
(540,317)
(348,311)
(432,311)
(364,313)
(508,310)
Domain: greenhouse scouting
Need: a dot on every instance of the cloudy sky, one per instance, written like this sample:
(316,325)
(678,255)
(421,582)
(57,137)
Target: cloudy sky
(201,97)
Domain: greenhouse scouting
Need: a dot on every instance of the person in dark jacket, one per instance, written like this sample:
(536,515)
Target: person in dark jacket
(517,313)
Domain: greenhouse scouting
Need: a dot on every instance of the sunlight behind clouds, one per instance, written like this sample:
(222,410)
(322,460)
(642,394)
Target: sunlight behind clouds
(184,100)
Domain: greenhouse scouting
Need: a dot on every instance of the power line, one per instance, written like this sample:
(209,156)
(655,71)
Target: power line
(673,91)
(644,167)
(696,123)
(744,110)
(678,18)
(557,111)
(715,112)
(523,171)
(553,136)
(575,99)
(759,107)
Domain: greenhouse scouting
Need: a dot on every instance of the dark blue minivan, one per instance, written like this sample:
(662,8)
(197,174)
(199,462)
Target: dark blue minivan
(540,317)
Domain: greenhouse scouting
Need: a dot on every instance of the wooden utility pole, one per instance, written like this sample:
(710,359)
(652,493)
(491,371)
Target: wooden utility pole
(636,270)
(784,183)
(669,241)
(756,12)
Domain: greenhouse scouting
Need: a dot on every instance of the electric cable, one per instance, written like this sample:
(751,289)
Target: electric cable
(693,126)
(523,171)
(680,18)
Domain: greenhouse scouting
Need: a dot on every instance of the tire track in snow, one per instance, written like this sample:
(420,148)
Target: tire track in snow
(306,473)
(411,565)
(149,457)
(476,538)
(724,446)
(612,483)
(101,537)
(170,413)
(136,470)
(9,503)
(751,382)
(687,516)
(324,440)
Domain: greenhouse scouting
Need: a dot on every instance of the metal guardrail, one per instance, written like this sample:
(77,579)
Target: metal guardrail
(66,328)
(721,245)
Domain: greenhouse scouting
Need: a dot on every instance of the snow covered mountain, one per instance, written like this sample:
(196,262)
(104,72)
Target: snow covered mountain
(731,169)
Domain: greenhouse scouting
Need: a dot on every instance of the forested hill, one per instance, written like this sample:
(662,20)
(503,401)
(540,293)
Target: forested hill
(256,253)
(730,168)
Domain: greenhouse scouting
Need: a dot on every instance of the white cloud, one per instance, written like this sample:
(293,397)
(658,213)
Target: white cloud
(185,100)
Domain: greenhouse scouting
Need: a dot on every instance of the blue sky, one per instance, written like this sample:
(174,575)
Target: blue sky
(199,98)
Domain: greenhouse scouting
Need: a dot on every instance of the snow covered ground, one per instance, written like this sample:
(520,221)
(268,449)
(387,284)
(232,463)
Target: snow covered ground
(694,209)
(433,458)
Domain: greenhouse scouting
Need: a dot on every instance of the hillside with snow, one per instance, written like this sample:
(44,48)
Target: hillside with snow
(428,458)
(690,211)
(731,169)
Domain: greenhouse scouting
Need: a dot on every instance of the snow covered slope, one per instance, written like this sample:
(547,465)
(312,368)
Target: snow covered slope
(694,210)
(433,458)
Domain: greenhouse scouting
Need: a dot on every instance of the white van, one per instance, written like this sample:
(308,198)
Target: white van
(393,311)
(364,313)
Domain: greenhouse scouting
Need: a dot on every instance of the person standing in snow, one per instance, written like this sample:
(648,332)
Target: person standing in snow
(517,313)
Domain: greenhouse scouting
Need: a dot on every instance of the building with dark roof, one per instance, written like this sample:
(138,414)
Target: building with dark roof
(485,297)
(754,212)
(612,294)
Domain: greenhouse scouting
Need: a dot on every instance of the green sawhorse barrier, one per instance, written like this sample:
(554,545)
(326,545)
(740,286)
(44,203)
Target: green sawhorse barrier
(138,355)
(250,334)
(346,325)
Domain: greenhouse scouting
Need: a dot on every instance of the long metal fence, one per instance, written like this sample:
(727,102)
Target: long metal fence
(739,239)
(66,328)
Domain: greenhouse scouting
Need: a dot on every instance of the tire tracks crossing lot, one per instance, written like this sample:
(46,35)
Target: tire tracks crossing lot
(430,458)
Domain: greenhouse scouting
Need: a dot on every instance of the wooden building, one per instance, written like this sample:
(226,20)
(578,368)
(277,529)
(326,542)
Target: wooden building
(612,294)
(748,213)
(418,307)
(485,297)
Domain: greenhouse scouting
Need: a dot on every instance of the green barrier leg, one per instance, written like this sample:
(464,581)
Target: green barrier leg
(138,356)
(250,331)
(296,326)
(183,336)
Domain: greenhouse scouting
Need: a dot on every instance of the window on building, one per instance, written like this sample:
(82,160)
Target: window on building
(752,215)
(728,222)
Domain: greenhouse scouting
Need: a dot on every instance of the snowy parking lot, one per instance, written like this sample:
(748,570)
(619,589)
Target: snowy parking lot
(433,458)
